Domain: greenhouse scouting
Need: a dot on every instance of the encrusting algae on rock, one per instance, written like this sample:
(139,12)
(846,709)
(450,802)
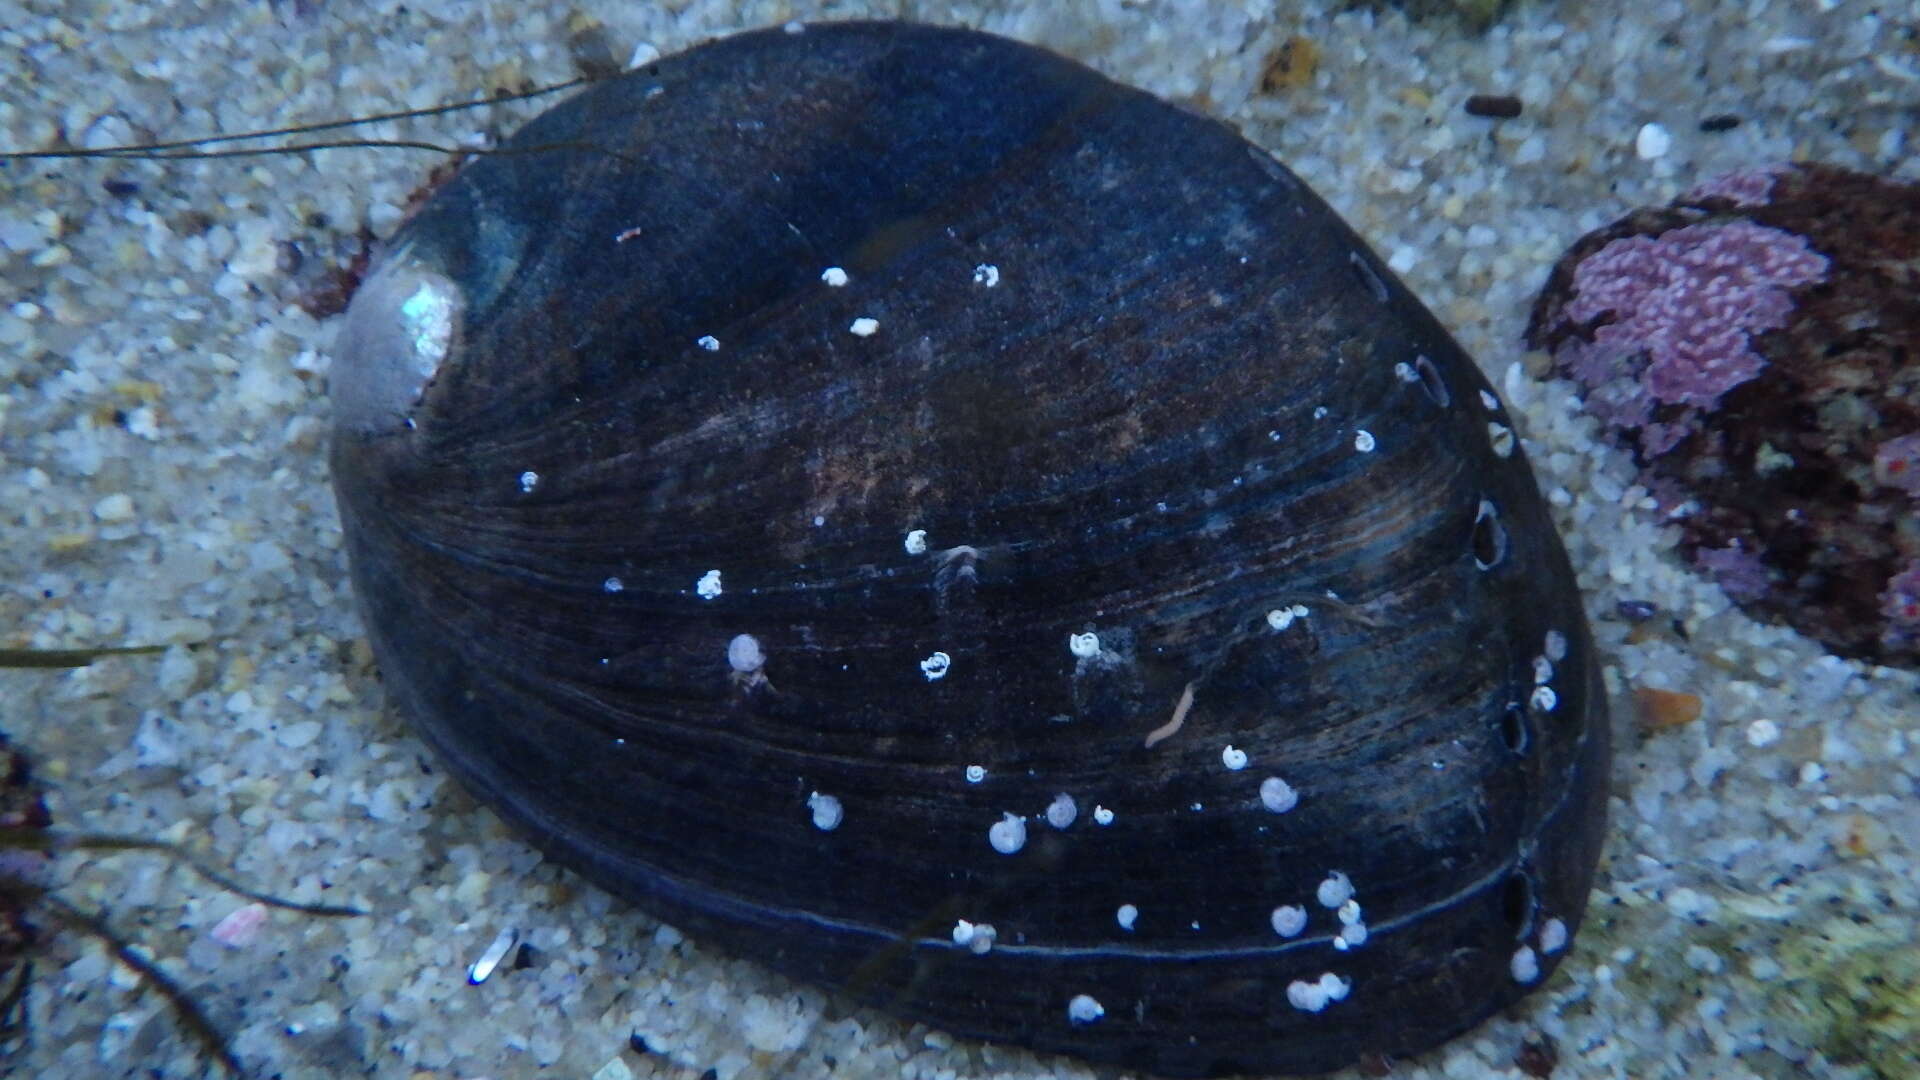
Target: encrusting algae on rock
(1756,344)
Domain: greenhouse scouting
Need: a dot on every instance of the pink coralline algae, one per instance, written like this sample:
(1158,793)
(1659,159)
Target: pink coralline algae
(1674,315)
(1756,344)
(1896,464)
(1901,604)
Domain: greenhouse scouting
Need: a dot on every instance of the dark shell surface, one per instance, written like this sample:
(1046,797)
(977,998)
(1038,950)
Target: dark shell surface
(908,509)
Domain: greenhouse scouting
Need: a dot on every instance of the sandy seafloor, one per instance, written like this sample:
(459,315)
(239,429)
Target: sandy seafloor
(162,480)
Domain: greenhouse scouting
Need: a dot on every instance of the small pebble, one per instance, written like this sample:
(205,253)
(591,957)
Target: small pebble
(1652,142)
(1498,106)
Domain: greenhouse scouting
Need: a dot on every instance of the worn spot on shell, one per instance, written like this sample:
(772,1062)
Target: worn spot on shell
(1376,286)
(1516,729)
(1489,537)
(1431,381)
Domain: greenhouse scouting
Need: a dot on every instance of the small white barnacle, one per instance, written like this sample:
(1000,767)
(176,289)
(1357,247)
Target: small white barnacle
(1280,618)
(1524,965)
(1363,441)
(1009,834)
(986,274)
(1349,912)
(1315,996)
(1062,810)
(1544,699)
(1405,373)
(1233,758)
(1126,916)
(528,481)
(1492,403)
(834,276)
(708,586)
(826,811)
(1102,815)
(1555,646)
(935,667)
(1277,795)
(1351,937)
(612,585)
(976,773)
(863,326)
(1500,437)
(1084,1010)
(1085,646)
(744,654)
(1299,611)
(1337,889)
(709,343)
(976,938)
(1288,920)
(1542,670)
(1553,936)
(917,542)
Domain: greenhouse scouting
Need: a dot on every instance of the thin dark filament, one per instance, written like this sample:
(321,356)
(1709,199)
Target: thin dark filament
(138,154)
(192,1017)
(28,838)
(69,658)
(180,149)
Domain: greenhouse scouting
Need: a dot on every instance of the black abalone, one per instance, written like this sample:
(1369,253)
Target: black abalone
(909,509)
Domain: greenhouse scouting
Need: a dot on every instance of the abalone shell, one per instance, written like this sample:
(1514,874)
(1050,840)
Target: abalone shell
(915,512)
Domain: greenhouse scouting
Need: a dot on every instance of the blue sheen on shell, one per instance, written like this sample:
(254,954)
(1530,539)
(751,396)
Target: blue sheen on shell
(1115,465)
